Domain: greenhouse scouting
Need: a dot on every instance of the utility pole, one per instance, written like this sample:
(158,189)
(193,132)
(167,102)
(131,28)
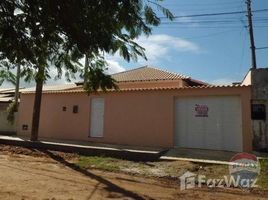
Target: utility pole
(251,34)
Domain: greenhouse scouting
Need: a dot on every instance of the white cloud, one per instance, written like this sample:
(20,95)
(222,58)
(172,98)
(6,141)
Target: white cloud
(53,73)
(223,81)
(114,66)
(7,85)
(158,47)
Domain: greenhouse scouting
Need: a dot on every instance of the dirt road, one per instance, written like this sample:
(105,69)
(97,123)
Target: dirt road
(52,177)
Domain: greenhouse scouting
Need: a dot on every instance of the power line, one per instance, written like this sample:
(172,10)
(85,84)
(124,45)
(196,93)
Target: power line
(209,35)
(198,9)
(196,25)
(213,22)
(204,4)
(205,27)
(260,48)
(218,18)
(216,14)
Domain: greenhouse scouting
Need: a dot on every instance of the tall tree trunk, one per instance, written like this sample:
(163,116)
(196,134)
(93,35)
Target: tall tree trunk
(17,87)
(86,70)
(37,104)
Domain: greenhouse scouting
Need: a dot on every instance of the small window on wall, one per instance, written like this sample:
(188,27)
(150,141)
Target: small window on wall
(75,109)
(25,127)
(64,108)
(258,112)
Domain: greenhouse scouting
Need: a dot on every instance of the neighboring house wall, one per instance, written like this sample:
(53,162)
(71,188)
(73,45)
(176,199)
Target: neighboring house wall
(259,79)
(5,126)
(140,118)
(247,79)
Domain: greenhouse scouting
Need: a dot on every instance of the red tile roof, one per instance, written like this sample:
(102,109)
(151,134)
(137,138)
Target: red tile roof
(140,74)
(147,73)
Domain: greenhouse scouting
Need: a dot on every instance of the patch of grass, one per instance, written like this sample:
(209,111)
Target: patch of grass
(210,170)
(263,177)
(96,162)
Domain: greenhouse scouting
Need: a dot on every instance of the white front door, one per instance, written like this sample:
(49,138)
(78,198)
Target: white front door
(97,117)
(209,123)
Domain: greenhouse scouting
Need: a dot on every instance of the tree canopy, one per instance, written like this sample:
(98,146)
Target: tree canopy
(38,34)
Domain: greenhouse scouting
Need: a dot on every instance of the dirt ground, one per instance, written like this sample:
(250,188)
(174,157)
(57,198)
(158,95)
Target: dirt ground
(54,176)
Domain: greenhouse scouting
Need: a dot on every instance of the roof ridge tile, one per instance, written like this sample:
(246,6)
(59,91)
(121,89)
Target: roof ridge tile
(130,70)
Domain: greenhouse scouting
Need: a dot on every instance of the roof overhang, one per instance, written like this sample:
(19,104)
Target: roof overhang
(143,89)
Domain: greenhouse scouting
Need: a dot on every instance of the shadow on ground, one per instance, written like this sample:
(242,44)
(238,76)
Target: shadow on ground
(110,187)
(200,154)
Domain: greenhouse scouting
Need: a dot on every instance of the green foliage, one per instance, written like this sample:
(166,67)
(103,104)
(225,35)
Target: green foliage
(43,33)
(263,177)
(29,37)
(96,162)
(95,77)
(40,34)
(7,76)
(11,110)
(5,73)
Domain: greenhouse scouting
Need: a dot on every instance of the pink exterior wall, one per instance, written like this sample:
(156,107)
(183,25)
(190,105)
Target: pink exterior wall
(140,118)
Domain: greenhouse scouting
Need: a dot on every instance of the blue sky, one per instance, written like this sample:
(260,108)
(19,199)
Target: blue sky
(213,49)
(214,52)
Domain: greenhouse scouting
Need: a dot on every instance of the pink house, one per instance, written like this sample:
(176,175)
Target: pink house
(152,108)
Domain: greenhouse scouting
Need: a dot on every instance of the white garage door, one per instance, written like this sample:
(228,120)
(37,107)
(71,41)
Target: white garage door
(209,123)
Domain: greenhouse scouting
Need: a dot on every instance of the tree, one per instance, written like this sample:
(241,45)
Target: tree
(6,75)
(60,32)
(30,38)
